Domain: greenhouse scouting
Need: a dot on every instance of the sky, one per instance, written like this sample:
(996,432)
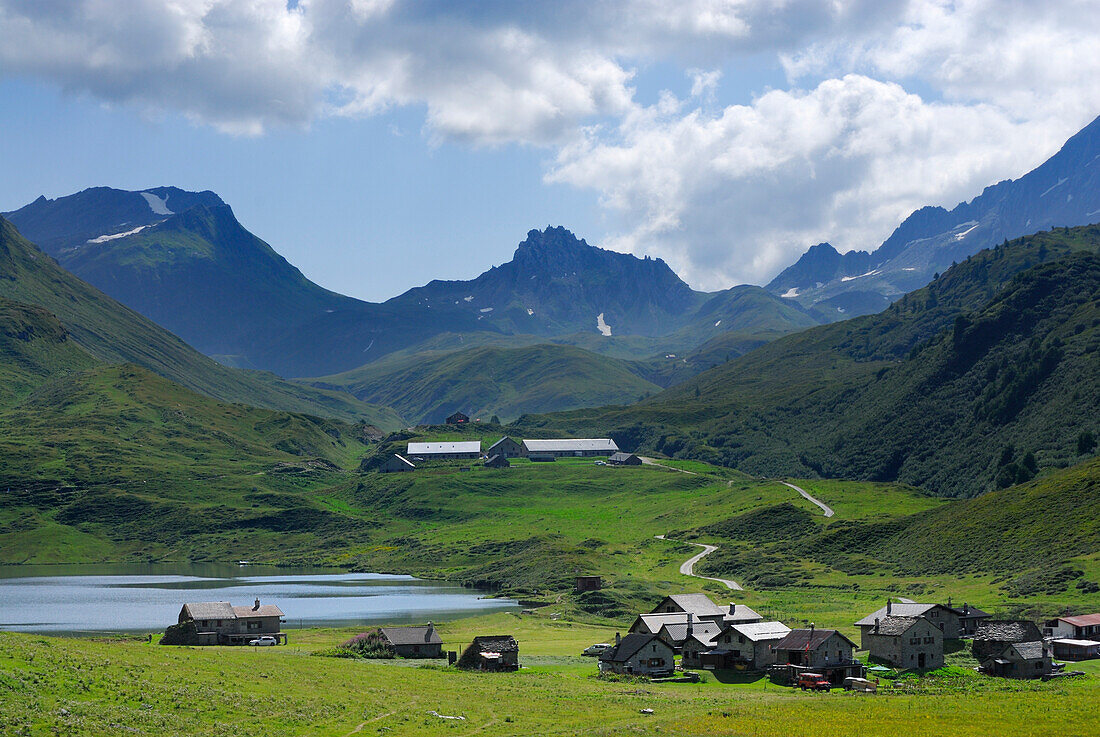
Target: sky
(379,144)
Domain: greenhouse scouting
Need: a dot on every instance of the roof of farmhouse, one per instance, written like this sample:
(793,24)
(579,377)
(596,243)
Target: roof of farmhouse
(566,445)
(465,446)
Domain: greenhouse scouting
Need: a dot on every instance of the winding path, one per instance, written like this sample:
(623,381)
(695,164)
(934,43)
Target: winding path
(687,568)
(806,495)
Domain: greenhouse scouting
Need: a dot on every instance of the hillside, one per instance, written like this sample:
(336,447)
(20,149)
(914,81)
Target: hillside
(115,334)
(1063,191)
(491,381)
(974,382)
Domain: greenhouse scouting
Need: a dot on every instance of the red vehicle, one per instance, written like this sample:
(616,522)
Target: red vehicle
(813,682)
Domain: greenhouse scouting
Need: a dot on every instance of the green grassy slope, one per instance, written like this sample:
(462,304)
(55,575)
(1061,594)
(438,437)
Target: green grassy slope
(116,334)
(427,387)
(951,388)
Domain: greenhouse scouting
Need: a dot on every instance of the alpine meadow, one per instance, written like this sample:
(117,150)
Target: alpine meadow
(718,368)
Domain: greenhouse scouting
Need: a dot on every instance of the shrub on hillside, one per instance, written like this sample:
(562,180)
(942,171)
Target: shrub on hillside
(370,644)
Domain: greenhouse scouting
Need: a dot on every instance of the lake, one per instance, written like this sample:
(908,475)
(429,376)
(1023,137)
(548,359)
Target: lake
(89,599)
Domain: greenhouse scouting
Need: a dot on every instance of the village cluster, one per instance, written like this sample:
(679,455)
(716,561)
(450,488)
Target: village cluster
(900,636)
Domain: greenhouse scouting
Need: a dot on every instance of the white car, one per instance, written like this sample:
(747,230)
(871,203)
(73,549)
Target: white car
(598,649)
(264,641)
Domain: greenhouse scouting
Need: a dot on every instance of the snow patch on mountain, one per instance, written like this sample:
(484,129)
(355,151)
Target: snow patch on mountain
(960,236)
(790,293)
(105,238)
(156,204)
(602,326)
(1061,181)
(869,273)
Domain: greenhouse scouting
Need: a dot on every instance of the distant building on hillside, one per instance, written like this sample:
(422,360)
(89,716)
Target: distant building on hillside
(624,459)
(588,583)
(906,643)
(580,448)
(414,642)
(457,419)
(445,451)
(396,464)
(506,447)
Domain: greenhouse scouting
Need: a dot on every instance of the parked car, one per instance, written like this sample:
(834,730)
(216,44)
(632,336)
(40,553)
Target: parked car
(813,682)
(263,641)
(601,463)
(598,649)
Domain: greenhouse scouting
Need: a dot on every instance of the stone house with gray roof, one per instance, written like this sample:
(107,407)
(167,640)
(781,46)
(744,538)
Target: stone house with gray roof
(699,605)
(746,646)
(906,643)
(491,653)
(677,633)
(221,623)
(1020,660)
(993,635)
(414,642)
(638,655)
(945,618)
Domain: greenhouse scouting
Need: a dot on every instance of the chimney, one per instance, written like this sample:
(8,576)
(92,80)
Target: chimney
(691,622)
(966,608)
(811,626)
(256,606)
(949,602)
(428,634)
(889,606)
(618,639)
(876,625)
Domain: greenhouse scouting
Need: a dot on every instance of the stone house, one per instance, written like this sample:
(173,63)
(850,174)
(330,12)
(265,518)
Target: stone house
(639,655)
(396,464)
(745,646)
(945,618)
(497,461)
(506,447)
(457,419)
(491,653)
(677,633)
(1020,660)
(220,623)
(699,605)
(624,459)
(823,651)
(414,642)
(993,635)
(695,648)
(969,618)
(906,643)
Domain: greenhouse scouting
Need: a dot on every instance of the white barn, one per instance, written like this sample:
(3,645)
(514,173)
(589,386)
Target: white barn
(564,448)
(441,451)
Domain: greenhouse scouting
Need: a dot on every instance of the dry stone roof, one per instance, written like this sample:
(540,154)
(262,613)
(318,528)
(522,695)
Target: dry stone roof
(419,635)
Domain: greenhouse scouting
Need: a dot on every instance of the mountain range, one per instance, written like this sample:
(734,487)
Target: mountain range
(1064,190)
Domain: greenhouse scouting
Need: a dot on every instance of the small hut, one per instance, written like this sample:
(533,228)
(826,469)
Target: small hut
(497,461)
(457,419)
(396,464)
(491,653)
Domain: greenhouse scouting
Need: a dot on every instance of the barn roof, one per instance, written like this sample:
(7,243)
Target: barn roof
(808,639)
(898,609)
(741,613)
(698,604)
(567,445)
(1034,650)
(210,610)
(704,630)
(403,460)
(1082,620)
(464,446)
(621,457)
(1002,630)
(417,635)
(654,622)
(499,442)
(758,631)
(895,625)
(496,644)
(266,610)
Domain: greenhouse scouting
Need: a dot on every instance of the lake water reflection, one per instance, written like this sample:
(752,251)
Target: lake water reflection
(144,598)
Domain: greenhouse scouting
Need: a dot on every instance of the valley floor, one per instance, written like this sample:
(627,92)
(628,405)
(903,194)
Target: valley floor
(86,687)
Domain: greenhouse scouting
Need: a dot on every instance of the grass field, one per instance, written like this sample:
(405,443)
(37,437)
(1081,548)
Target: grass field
(87,687)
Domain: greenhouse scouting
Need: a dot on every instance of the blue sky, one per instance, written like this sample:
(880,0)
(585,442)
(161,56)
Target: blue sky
(378,144)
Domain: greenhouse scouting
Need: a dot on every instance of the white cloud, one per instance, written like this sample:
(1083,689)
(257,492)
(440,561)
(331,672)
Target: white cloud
(725,194)
(736,195)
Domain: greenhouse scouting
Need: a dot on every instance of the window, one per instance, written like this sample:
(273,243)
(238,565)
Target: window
(741,639)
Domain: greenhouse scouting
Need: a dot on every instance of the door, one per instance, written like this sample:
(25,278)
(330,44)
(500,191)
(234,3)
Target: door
(920,660)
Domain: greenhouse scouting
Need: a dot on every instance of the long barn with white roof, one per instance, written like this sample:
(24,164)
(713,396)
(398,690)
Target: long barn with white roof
(437,451)
(581,447)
